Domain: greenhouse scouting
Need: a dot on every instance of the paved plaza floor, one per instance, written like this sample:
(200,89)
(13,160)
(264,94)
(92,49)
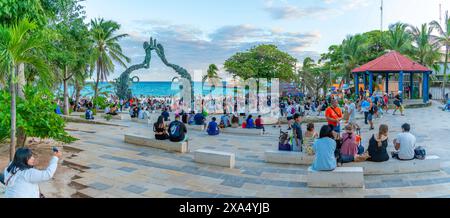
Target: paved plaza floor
(113,168)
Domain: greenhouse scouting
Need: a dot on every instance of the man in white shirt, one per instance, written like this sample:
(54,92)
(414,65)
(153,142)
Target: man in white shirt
(405,144)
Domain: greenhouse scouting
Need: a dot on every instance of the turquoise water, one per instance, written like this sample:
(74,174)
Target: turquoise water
(158,89)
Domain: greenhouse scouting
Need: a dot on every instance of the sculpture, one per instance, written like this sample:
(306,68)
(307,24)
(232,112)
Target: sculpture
(122,83)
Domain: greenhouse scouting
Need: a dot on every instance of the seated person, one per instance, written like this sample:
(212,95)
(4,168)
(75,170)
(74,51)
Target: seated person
(259,123)
(309,138)
(89,114)
(199,119)
(404,144)
(378,145)
(177,131)
(250,122)
(184,117)
(141,114)
(159,129)
(225,121)
(350,150)
(112,111)
(324,148)
(58,110)
(213,128)
(165,114)
(235,121)
(191,120)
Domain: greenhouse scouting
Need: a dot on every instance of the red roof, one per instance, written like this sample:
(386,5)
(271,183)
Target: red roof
(392,62)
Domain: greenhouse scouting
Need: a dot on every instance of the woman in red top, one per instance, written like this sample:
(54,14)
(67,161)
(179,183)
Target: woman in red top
(259,123)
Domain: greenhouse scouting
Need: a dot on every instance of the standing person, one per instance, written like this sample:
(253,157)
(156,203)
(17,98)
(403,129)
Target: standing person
(351,112)
(290,115)
(386,103)
(378,145)
(22,179)
(324,148)
(404,144)
(298,134)
(372,111)
(334,116)
(365,106)
(177,130)
(398,105)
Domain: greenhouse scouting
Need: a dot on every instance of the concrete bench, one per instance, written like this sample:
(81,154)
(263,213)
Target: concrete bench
(217,158)
(181,147)
(341,177)
(136,120)
(229,130)
(287,157)
(432,163)
(115,117)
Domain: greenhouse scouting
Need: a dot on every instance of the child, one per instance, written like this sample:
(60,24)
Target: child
(310,137)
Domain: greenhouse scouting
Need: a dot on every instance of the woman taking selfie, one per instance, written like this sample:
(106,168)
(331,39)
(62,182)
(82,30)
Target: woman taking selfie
(20,177)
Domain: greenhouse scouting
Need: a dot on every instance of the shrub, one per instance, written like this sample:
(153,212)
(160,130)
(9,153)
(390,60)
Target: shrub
(35,114)
(108,117)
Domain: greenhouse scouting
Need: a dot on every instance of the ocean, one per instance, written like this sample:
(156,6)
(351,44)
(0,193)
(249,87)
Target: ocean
(158,89)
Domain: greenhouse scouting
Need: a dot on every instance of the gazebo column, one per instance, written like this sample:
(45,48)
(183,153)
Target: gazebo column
(356,83)
(411,84)
(400,84)
(387,83)
(371,83)
(425,89)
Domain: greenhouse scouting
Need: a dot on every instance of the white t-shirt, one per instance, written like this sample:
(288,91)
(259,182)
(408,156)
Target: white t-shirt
(407,143)
(289,111)
(352,110)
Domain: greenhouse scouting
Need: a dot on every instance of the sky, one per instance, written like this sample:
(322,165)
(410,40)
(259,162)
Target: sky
(197,33)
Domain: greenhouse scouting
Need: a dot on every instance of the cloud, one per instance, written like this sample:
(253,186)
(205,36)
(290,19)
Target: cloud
(194,49)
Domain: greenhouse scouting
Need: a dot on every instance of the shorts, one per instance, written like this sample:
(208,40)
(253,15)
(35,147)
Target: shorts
(370,117)
(290,118)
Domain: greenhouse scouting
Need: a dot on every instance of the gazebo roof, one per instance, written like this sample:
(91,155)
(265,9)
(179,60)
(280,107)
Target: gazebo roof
(392,62)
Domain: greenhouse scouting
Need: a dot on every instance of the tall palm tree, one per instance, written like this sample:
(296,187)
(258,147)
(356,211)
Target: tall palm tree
(16,48)
(107,49)
(353,49)
(398,38)
(444,40)
(212,77)
(425,46)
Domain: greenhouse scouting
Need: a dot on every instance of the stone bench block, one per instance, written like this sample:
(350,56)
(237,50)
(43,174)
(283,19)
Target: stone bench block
(287,157)
(229,130)
(181,147)
(393,166)
(341,177)
(217,158)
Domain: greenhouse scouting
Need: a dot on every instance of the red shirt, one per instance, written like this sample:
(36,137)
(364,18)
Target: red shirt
(333,113)
(258,122)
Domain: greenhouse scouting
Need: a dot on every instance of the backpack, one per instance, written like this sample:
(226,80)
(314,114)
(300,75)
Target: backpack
(420,153)
(283,144)
(175,130)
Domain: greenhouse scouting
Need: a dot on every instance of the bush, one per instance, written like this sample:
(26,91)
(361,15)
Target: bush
(35,114)
(108,117)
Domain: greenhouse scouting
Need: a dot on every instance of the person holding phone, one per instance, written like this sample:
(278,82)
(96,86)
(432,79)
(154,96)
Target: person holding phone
(22,179)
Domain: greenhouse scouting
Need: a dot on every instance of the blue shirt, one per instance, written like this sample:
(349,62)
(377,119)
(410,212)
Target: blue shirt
(325,159)
(250,124)
(199,119)
(365,105)
(212,128)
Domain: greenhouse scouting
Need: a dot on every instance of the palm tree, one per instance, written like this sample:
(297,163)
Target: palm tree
(106,49)
(211,76)
(398,38)
(444,40)
(16,48)
(425,46)
(353,49)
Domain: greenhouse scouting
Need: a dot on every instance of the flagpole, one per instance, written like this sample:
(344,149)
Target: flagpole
(381,8)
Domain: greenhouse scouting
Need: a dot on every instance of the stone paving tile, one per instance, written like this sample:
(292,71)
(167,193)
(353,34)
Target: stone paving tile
(100,186)
(178,191)
(210,147)
(377,196)
(201,195)
(227,196)
(94,166)
(252,172)
(422,182)
(135,189)
(226,145)
(144,154)
(127,169)
(375,185)
(396,184)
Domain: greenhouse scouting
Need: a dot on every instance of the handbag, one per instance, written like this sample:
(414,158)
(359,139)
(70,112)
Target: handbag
(420,153)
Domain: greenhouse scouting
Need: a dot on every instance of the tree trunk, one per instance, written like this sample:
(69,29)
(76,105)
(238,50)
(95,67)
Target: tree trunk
(21,135)
(444,80)
(12,148)
(77,94)
(66,93)
(97,82)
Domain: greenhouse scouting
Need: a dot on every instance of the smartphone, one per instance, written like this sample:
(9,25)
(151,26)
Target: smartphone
(55,149)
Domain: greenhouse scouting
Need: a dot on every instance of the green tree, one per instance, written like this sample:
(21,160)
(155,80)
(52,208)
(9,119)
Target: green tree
(398,38)
(16,47)
(444,39)
(106,49)
(212,77)
(264,61)
(425,47)
(313,77)
(354,49)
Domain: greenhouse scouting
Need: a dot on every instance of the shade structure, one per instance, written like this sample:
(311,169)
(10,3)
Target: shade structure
(392,62)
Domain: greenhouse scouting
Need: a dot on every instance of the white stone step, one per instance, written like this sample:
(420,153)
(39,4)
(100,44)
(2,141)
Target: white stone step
(288,157)
(393,166)
(217,158)
(181,147)
(341,177)
(229,130)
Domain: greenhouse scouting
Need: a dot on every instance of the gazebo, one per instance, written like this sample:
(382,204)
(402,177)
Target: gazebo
(393,63)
